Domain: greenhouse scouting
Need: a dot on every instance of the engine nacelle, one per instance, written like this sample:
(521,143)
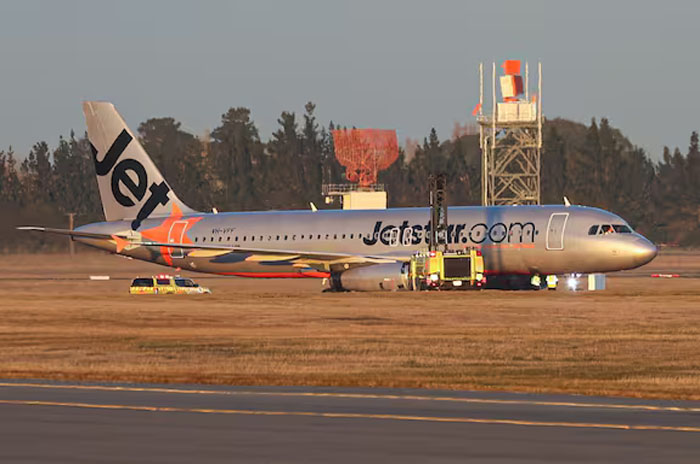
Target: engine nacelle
(375,277)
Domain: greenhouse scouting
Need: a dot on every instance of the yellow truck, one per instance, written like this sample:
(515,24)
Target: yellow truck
(166,285)
(452,270)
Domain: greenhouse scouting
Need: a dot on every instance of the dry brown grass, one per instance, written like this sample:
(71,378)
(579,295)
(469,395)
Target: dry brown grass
(639,338)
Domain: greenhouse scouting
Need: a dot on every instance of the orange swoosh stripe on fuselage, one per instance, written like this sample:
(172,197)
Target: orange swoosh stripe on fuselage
(278,275)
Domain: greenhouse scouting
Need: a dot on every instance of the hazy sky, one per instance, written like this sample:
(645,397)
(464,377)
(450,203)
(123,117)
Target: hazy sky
(389,64)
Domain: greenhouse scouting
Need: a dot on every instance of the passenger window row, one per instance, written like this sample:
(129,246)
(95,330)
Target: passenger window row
(606,229)
(271,238)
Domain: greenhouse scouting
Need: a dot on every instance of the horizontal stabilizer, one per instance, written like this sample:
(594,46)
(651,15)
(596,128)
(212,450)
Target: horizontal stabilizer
(70,233)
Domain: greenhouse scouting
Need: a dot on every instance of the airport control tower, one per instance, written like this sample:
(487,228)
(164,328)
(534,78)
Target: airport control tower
(510,137)
(363,153)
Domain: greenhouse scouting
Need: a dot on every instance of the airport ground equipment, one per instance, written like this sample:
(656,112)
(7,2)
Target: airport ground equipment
(510,137)
(163,284)
(438,213)
(596,282)
(363,153)
(438,267)
(449,270)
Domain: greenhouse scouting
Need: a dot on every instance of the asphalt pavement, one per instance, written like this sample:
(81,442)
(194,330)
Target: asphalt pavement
(53,422)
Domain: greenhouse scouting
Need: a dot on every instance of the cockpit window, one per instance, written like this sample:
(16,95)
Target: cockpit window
(606,229)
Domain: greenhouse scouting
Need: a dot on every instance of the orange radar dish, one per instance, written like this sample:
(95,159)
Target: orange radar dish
(365,152)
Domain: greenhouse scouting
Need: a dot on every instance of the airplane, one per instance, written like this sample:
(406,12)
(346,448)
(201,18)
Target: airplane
(354,249)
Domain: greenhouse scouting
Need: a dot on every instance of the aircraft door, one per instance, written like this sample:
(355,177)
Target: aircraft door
(175,235)
(555,231)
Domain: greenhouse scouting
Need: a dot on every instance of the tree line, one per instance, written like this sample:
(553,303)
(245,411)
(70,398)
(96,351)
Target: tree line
(235,170)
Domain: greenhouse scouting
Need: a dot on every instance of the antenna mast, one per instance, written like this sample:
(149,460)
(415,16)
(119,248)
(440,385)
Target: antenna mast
(511,138)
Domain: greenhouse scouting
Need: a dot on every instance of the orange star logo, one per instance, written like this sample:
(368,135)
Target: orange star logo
(172,230)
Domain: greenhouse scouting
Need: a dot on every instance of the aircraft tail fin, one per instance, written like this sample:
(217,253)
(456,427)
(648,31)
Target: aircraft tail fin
(131,186)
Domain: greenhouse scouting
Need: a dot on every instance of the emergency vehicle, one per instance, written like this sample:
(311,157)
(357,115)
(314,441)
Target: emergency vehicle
(166,284)
(449,270)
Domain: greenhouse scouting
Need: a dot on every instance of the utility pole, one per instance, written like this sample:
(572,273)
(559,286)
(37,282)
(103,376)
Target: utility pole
(71,224)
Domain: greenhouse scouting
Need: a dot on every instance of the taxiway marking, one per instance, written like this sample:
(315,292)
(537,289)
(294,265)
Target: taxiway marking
(333,415)
(643,407)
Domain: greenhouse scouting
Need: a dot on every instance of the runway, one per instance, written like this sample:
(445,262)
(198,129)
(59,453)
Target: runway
(57,422)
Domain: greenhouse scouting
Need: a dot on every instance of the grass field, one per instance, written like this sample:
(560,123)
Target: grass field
(641,337)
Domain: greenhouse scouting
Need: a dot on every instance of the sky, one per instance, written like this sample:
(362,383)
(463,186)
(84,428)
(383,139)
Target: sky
(408,65)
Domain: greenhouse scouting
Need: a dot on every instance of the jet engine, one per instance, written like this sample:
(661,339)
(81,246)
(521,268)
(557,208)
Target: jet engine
(375,277)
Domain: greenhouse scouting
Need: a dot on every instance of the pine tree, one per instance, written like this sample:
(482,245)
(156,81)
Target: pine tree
(312,155)
(37,175)
(10,184)
(236,147)
(286,183)
(178,155)
(553,167)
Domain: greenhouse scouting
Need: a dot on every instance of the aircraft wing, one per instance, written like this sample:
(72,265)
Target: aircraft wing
(257,254)
(298,256)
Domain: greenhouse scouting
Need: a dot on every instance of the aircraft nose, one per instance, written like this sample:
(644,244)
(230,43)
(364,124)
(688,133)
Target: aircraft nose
(643,251)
